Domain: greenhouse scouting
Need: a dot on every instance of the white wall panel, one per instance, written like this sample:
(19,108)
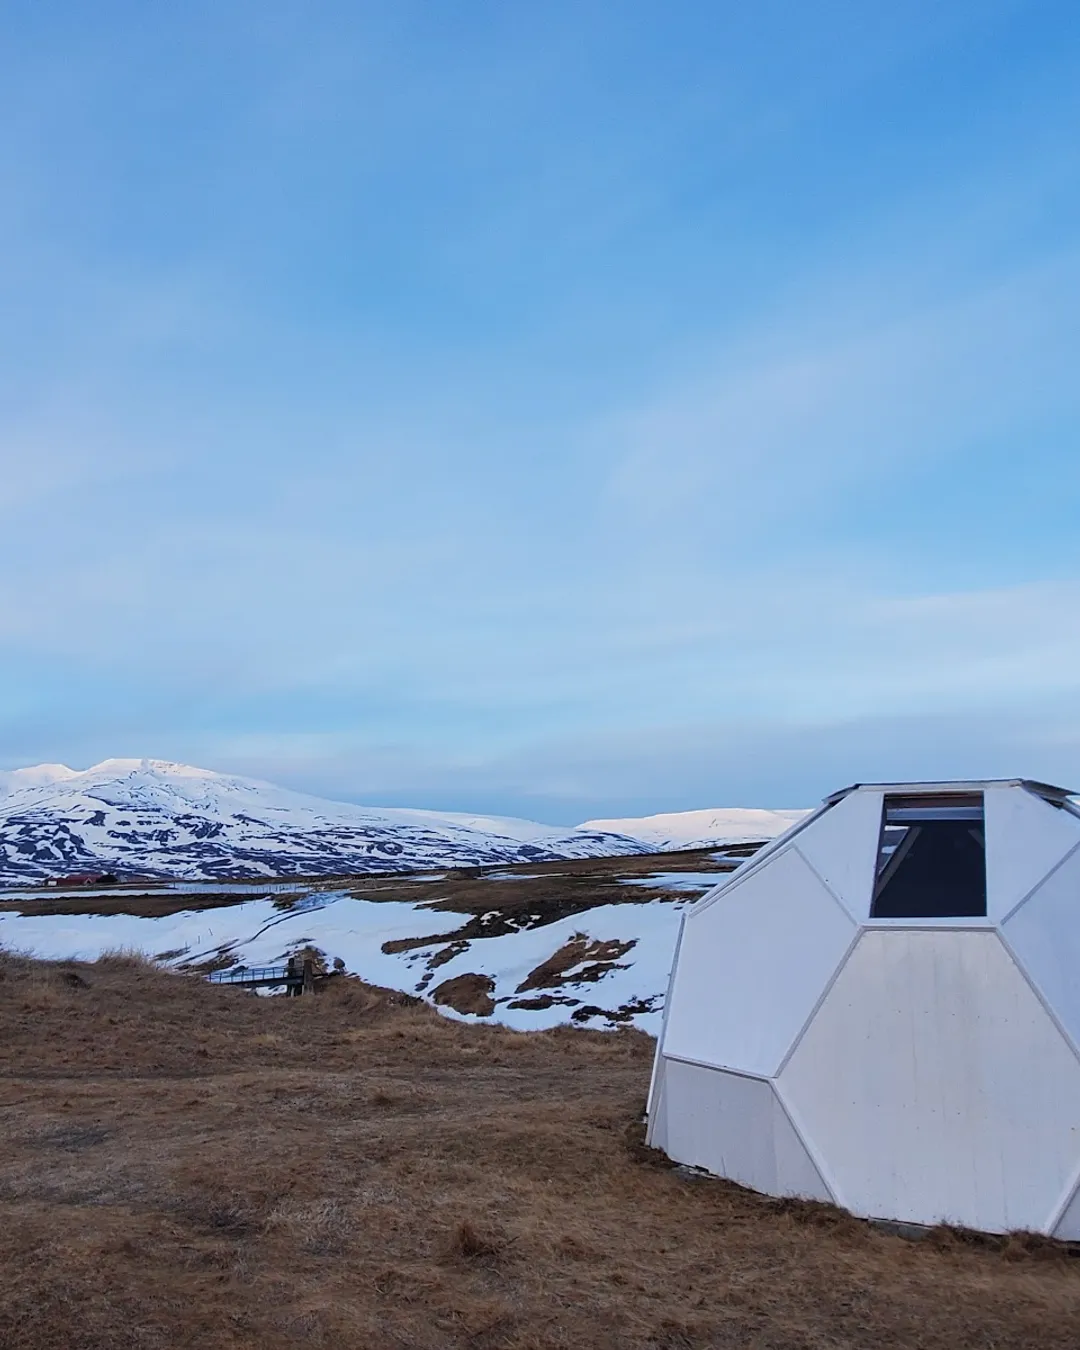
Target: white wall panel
(656,1109)
(1044,934)
(796,1171)
(933,1086)
(1025,838)
(763,857)
(842,848)
(1068,1226)
(719,1121)
(733,1127)
(752,966)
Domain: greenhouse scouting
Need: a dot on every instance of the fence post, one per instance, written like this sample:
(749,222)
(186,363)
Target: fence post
(309,977)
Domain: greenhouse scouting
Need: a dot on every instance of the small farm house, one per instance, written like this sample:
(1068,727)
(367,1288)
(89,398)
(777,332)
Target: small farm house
(882,1009)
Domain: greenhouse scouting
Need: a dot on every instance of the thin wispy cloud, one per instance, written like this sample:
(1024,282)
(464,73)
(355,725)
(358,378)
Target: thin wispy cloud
(535,409)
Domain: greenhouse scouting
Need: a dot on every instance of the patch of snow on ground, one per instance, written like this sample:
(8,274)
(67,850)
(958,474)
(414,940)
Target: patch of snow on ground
(653,927)
(258,933)
(679,881)
(519,876)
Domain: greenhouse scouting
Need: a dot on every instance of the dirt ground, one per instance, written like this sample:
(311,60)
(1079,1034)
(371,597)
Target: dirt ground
(190,1166)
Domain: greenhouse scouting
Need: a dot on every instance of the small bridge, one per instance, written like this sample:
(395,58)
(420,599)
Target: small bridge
(298,977)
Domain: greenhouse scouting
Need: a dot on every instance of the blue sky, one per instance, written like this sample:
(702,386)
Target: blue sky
(562,410)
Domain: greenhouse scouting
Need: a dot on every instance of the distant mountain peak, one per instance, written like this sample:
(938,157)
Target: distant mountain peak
(165,767)
(34,775)
(155,818)
(700,828)
(146,817)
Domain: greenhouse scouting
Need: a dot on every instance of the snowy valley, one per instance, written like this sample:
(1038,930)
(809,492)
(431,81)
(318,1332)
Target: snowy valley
(490,918)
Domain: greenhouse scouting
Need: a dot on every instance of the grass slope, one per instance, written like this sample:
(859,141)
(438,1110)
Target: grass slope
(188,1166)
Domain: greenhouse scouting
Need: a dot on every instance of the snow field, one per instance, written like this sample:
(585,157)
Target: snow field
(257,933)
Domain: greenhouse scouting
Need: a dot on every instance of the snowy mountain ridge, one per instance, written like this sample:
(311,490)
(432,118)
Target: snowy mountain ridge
(700,829)
(159,819)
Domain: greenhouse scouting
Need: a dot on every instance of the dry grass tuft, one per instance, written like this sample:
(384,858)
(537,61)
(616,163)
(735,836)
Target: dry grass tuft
(126,958)
(636,1147)
(1015,1246)
(470,1245)
(818,1214)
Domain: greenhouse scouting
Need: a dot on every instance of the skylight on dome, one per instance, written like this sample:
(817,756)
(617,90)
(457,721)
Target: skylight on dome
(932,857)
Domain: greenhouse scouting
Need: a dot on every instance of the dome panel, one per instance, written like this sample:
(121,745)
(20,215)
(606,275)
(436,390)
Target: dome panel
(751,966)
(1026,838)
(734,1127)
(842,847)
(1067,1227)
(1044,935)
(934,1087)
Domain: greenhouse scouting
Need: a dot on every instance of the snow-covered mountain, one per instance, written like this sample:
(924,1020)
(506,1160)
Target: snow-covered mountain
(700,829)
(153,818)
(37,775)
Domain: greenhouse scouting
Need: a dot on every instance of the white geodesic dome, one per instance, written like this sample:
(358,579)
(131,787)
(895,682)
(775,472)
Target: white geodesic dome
(882,1009)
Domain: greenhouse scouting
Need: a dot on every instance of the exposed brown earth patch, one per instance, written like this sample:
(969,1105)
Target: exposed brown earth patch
(537,1004)
(185,1166)
(445,954)
(467,994)
(561,965)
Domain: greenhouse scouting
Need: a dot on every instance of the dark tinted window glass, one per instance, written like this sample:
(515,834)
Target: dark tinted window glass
(932,859)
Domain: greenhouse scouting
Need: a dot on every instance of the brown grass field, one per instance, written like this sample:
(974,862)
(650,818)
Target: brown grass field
(189,1166)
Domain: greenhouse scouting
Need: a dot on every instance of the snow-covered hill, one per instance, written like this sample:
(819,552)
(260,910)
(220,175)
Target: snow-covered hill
(153,818)
(700,829)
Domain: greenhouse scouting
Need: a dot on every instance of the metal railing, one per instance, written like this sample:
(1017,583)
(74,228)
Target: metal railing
(299,977)
(254,975)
